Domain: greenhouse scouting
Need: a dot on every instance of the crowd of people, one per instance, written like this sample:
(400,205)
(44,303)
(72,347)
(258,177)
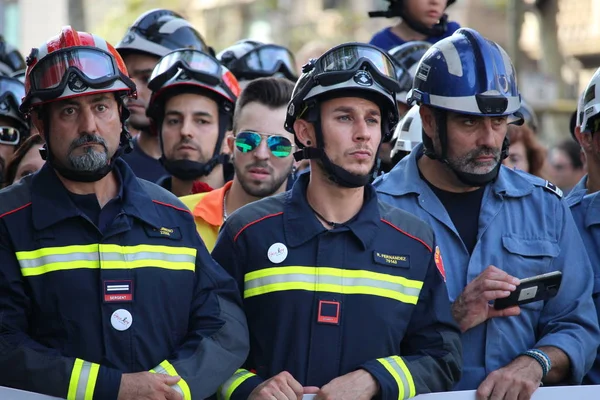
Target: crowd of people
(179,224)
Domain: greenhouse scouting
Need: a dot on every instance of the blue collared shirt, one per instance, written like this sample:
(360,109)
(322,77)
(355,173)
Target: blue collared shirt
(586,213)
(525,230)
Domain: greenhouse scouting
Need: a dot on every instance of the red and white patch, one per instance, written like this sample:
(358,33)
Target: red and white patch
(439,262)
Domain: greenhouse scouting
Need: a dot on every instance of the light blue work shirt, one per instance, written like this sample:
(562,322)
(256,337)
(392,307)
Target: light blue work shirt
(586,213)
(524,229)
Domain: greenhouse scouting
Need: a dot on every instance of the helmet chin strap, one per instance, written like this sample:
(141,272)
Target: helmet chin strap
(334,172)
(189,170)
(472,180)
(125,146)
(437,30)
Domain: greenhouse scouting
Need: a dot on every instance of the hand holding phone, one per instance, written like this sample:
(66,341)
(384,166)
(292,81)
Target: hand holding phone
(536,288)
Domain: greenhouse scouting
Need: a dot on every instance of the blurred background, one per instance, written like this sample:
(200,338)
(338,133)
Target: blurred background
(554,44)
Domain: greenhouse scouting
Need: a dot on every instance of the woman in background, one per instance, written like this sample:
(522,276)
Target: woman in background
(26,160)
(525,152)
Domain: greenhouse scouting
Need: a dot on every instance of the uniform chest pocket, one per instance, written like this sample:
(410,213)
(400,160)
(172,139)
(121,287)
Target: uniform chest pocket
(525,258)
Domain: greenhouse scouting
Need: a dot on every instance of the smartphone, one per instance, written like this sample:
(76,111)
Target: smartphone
(536,288)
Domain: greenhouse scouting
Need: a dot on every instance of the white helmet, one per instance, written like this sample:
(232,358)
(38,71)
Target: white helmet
(589,106)
(408,133)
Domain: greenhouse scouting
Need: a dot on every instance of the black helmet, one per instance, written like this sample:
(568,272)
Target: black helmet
(396,9)
(11,60)
(529,116)
(11,93)
(158,32)
(347,70)
(250,59)
(407,57)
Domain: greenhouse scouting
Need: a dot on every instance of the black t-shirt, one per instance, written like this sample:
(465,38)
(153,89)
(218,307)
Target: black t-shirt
(143,165)
(463,209)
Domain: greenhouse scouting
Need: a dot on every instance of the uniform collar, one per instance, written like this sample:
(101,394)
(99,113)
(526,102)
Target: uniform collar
(592,211)
(51,202)
(210,206)
(576,194)
(302,225)
(405,178)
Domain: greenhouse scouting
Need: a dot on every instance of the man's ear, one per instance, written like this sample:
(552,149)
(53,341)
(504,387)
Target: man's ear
(305,132)
(229,143)
(428,121)
(584,139)
(38,123)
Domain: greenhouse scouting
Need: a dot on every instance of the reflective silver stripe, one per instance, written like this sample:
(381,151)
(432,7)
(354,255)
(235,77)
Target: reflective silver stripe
(58,258)
(332,280)
(160,370)
(145,255)
(401,374)
(83,380)
(237,379)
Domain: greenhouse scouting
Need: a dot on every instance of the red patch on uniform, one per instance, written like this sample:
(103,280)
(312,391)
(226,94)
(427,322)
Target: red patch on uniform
(439,262)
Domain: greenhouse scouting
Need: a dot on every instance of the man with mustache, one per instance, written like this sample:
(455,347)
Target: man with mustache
(341,291)
(154,34)
(107,290)
(191,108)
(494,225)
(262,156)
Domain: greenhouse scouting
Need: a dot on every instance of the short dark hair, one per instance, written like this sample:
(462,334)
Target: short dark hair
(18,155)
(270,92)
(573,152)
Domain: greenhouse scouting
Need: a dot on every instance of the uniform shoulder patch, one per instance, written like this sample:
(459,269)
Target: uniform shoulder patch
(551,187)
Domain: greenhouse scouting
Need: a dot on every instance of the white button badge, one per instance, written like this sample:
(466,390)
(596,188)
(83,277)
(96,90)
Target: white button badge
(121,320)
(277,253)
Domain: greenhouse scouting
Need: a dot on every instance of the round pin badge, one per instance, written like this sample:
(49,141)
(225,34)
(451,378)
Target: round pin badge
(121,320)
(277,253)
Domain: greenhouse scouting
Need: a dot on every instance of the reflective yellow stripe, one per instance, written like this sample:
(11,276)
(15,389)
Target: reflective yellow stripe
(333,280)
(75,374)
(397,368)
(105,256)
(181,387)
(83,380)
(233,383)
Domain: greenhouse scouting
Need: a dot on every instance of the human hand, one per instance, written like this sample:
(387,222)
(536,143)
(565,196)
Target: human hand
(473,306)
(282,386)
(148,386)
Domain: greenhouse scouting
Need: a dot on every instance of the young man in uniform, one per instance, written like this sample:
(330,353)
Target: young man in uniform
(342,292)
(107,291)
(191,108)
(154,34)
(494,225)
(262,156)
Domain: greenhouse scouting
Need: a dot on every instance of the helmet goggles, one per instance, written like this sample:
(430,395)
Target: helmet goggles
(11,89)
(94,67)
(266,60)
(191,64)
(341,64)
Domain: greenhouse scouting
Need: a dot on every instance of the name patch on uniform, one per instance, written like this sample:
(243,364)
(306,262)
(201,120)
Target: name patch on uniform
(118,291)
(329,312)
(164,232)
(391,260)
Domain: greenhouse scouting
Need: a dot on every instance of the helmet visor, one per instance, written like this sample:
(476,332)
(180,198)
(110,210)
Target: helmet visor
(12,86)
(351,57)
(192,61)
(95,67)
(341,63)
(268,60)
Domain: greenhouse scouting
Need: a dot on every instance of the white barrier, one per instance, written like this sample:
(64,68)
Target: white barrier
(544,393)
(14,394)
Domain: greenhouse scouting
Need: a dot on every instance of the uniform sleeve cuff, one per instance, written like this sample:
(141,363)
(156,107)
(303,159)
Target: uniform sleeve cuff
(108,384)
(394,377)
(239,386)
